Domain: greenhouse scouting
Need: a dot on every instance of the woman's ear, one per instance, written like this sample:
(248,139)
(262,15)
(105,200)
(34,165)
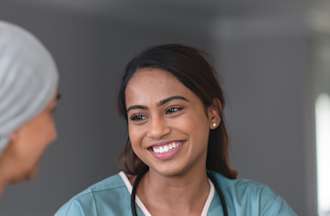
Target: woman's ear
(214,113)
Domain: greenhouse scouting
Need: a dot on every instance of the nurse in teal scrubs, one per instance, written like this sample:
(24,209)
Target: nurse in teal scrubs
(177,149)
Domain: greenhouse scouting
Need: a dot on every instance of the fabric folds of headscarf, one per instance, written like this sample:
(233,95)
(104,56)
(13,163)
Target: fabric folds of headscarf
(28,79)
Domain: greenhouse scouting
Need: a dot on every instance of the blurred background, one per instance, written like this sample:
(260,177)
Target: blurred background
(272,57)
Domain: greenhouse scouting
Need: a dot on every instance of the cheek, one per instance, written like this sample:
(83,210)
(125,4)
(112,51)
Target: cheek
(47,129)
(196,126)
(52,128)
(192,122)
(135,134)
(51,134)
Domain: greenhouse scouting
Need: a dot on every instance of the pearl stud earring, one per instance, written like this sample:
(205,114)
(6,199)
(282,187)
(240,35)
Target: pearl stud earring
(214,125)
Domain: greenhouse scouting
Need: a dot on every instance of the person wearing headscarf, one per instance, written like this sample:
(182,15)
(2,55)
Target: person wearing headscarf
(28,97)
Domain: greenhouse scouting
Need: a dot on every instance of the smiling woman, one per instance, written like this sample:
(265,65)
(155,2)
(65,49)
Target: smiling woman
(176,159)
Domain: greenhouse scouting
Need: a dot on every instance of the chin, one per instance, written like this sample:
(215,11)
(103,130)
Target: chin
(168,170)
(24,175)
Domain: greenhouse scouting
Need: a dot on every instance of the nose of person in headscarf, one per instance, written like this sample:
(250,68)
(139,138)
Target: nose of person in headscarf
(28,96)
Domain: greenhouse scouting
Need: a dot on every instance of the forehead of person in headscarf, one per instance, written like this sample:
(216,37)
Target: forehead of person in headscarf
(28,78)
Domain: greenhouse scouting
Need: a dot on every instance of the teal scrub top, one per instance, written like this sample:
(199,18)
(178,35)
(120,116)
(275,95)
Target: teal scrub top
(112,197)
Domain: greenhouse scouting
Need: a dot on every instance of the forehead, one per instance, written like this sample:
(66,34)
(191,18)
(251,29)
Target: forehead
(150,85)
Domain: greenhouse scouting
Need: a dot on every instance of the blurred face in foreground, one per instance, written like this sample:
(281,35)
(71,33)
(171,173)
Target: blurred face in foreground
(20,159)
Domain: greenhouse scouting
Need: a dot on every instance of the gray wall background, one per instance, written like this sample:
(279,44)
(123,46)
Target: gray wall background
(262,53)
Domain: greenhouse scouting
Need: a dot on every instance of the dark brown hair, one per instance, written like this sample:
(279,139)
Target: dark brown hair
(190,67)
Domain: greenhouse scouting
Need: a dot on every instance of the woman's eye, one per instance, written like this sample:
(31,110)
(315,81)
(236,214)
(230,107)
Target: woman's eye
(173,110)
(137,117)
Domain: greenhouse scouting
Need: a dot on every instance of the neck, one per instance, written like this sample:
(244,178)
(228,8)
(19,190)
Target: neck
(184,193)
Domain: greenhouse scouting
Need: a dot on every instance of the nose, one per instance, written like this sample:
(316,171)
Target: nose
(52,132)
(158,128)
(54,135)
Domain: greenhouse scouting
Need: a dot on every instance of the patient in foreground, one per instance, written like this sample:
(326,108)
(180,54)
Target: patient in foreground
(28,97)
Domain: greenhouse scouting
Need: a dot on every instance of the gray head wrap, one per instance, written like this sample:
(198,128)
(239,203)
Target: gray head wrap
(28,79)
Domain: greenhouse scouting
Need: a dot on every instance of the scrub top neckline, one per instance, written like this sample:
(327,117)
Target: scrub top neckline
(145,210)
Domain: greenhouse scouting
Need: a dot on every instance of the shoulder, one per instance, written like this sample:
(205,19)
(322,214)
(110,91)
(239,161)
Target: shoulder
(109,191)
(259,198)
(241,187)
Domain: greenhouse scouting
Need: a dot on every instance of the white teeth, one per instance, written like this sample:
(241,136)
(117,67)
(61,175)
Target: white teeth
(166,148)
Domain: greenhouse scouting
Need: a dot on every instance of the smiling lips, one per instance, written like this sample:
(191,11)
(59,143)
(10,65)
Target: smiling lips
(165,151)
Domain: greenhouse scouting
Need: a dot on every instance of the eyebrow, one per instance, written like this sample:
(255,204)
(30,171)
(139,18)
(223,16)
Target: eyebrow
(160,103)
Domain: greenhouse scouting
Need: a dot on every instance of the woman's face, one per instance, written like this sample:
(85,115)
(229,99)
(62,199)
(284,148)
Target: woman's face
(167,123)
